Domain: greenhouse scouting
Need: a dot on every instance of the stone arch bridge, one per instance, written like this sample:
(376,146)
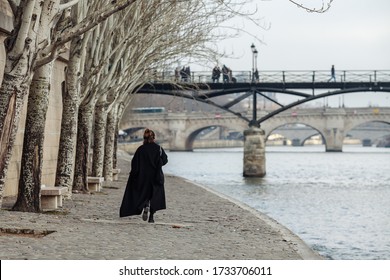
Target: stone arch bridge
(333,124)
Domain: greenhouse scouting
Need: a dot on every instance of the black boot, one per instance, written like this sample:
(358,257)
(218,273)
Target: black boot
(145,213)
(151,218)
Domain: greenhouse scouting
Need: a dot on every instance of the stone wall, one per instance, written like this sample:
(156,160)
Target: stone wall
(5,17)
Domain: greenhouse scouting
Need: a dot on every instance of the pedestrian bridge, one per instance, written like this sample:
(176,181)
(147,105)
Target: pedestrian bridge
(305,85)
(179,130)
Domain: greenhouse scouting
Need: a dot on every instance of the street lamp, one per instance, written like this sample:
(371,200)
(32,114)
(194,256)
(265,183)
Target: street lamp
(255,54)
(254,98)
(254,61)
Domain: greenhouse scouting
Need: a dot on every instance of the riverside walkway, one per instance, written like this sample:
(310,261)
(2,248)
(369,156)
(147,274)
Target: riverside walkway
(197,225)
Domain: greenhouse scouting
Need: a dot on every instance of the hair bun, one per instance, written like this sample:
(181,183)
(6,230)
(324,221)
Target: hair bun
(149,135)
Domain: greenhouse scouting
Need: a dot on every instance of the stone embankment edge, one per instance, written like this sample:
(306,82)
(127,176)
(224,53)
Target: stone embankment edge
(299,245)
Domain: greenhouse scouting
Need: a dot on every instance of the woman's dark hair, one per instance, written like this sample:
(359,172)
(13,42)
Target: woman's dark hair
(149,136)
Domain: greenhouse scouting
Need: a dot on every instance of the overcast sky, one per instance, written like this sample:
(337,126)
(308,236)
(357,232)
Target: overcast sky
(352,35)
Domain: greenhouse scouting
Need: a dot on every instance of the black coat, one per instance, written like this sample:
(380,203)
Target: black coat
(146,181)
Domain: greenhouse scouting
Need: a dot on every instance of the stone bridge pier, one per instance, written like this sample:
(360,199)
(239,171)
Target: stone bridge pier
(178,141)
(333,131)
(334,138)
(254,153)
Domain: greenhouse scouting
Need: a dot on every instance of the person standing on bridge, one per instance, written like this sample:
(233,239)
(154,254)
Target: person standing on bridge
(216,74)
(188,74)
(225,74)
(332,74)
(145,191)
(183,74)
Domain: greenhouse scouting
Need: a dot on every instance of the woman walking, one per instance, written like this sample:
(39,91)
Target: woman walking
(145,187)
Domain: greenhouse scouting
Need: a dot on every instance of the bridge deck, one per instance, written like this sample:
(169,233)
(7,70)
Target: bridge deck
(297,83)
(290,76)
(228,88)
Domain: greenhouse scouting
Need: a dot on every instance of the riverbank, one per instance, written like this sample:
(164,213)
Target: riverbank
(198,224)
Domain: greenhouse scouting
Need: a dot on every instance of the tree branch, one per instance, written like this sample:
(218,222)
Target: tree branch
(92,20)
(68,5)
(314,10)
(53,55)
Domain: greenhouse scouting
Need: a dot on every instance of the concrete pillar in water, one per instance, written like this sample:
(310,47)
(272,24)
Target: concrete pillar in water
(254,152)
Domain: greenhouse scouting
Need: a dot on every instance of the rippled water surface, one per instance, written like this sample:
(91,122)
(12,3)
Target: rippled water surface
(338,203)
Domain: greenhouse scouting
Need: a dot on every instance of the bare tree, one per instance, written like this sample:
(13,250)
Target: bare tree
(100,66)
(33,45)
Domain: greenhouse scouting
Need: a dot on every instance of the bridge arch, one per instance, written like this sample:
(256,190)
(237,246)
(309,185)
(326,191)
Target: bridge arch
(309,137)
(318,96)
(351,124)
(189,144)
(374,137)
(312,131)
(332,123)
(195,130)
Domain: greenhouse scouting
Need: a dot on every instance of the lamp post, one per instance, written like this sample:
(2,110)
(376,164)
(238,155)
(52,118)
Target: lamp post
(254,98)
(254,136)
(256,72)
(254,56)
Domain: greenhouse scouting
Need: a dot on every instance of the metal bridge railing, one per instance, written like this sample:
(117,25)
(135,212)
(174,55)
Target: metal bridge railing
(291,76)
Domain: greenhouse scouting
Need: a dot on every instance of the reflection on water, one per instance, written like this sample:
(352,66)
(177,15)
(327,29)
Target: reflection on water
(338,203)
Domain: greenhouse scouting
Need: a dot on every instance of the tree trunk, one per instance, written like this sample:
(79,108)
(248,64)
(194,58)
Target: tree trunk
(119,114)
(110,144)
(12,92)
(115,149)
(29,199)
(70,101)
(99,134)
(21,53)
(84,130)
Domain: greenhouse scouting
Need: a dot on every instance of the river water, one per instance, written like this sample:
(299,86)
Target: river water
(338,203)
